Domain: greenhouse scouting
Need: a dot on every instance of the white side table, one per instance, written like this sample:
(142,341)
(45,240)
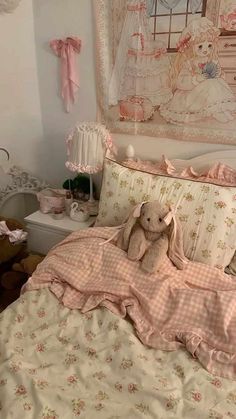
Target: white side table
(44,232)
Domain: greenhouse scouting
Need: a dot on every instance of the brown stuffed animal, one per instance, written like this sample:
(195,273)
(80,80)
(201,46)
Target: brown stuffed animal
(28,265)
(13,280)
(151,232)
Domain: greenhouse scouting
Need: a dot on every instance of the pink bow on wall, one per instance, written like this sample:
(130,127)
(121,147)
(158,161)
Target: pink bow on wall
(66,50)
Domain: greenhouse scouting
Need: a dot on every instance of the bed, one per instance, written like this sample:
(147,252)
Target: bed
(92,336)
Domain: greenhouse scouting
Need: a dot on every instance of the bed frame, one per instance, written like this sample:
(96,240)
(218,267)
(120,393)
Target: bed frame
(20,205)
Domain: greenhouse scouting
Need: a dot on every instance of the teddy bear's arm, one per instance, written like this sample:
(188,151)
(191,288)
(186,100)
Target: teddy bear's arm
(137,244)
(155,254)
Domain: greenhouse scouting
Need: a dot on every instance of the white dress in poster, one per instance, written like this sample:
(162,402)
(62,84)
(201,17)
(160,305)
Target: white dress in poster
(141,64)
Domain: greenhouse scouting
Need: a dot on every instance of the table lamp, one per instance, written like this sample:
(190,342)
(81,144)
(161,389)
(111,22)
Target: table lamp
(86,148)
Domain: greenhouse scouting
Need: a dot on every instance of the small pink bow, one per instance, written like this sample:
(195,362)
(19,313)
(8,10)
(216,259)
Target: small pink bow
(66,50)
(170,216)
(16,236)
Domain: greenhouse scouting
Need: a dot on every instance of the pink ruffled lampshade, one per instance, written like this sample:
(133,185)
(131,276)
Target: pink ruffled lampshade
(86,147)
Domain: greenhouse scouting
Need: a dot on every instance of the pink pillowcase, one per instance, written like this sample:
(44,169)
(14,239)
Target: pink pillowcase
(219,173)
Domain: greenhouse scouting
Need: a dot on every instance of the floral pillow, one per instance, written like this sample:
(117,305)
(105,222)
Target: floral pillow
(207,211)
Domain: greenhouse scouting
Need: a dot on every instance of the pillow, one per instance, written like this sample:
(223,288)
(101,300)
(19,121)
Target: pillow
(207,211)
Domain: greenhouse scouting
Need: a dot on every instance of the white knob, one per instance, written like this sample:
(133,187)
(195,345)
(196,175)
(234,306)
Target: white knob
(130,152)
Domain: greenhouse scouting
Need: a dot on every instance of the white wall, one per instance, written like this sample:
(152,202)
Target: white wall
(153,148)
(58,19)
(20,114)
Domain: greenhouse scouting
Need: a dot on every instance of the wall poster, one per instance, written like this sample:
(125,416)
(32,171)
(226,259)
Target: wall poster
(167,68)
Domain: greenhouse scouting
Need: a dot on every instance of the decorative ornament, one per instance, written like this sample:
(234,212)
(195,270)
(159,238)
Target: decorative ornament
(7,6)
(77,213)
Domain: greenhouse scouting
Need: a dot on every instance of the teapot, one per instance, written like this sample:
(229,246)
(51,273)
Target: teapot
(77,213)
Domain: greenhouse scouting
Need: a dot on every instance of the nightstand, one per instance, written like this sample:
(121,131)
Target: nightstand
(44,232)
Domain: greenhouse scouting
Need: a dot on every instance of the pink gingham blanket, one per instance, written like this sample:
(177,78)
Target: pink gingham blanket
(194,308)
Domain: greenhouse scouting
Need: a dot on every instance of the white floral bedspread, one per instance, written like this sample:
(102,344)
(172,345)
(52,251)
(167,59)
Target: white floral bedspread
(56,363)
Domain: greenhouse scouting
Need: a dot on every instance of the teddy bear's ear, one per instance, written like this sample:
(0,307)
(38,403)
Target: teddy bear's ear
(176,245)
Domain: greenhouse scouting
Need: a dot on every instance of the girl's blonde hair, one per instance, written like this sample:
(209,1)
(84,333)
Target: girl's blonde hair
(188,52)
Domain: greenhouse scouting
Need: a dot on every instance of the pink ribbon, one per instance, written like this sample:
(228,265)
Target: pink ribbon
(16,236)
(169,217)
(66,50)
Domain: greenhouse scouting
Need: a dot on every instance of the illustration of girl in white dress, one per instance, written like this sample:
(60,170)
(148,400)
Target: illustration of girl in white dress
(198,85)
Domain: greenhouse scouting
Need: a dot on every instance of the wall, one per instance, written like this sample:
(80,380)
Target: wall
(20,114)
(152,148)
(60,18)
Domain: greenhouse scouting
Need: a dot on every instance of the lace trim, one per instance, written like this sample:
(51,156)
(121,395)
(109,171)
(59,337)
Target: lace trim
(94,127)
(180,117)
(73,167)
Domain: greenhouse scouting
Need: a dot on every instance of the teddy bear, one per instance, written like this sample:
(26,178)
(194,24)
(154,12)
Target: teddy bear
(151,232)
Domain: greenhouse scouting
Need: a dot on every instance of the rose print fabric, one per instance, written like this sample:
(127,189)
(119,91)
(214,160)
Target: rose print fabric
(194,308)
(57,363)
(206,210)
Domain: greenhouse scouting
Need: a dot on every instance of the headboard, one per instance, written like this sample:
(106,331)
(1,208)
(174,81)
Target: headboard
(204,161)
(199,163)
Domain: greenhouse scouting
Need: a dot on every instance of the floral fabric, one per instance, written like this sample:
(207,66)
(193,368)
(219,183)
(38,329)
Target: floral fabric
(207,211)
(193,308)
(57,363)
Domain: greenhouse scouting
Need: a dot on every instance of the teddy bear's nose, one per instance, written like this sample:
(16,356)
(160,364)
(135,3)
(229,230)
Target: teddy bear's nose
(148,219)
